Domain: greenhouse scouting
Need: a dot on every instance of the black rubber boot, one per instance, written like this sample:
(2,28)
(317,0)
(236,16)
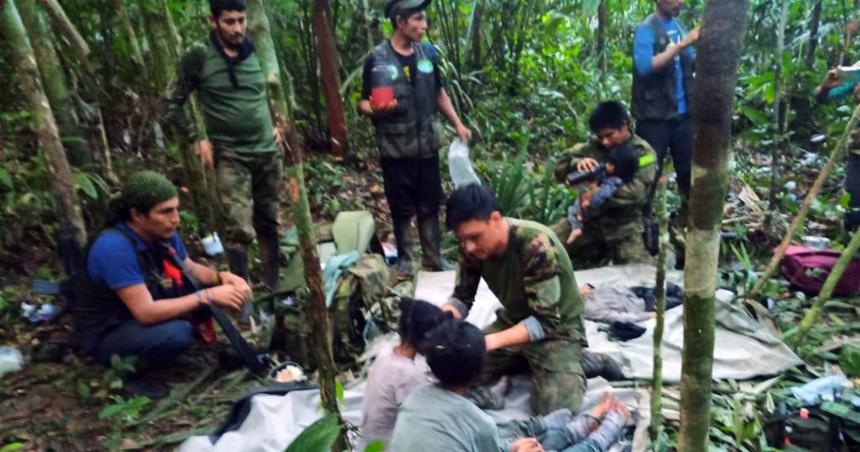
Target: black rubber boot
(600,365)
(270,256)
(401,227)
(431,257)
(237,259)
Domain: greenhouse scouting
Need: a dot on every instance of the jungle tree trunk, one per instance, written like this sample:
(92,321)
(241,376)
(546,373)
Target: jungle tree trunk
(777,104)
(716,76)
(660,294)
(474,34)
(836,155)
(814,25)
(327,51)
(313,307)
(827,289)
(162,54)
(55,84)
(72,230)
(131,36)
(65,28)
(601,35)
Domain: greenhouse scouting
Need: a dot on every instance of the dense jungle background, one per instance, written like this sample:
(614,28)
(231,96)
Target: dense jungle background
(523,74)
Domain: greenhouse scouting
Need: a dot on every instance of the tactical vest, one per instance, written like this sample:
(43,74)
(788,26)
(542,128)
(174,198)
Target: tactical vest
(655,95)
(99,309)
(412,129)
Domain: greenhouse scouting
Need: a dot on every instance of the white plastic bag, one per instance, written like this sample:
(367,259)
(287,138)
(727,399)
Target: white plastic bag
(460,166)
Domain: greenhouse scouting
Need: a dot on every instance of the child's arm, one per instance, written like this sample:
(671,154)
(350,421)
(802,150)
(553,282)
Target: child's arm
(598,199)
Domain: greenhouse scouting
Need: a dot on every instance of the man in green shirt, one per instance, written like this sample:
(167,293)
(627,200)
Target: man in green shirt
(525,265)
(240,141)
(617,232)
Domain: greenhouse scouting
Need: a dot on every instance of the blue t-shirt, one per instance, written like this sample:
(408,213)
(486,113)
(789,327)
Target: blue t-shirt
(643,52)
(113,261)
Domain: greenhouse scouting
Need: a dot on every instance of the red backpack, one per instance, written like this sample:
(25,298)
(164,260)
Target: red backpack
(807,269)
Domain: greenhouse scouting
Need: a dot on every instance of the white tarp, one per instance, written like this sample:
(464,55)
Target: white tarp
(743,350)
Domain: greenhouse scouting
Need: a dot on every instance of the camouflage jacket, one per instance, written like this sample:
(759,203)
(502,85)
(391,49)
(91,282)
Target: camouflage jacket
(622,213)
(532,278)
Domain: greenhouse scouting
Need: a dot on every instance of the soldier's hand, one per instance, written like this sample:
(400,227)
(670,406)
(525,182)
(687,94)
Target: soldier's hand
(464,134)
(279,137)
(831,80)
(691,38)
(526,445)
(453,310)
(574,234)
(587,164)
(227,296)
(238,282)
(382,110)
(203,149)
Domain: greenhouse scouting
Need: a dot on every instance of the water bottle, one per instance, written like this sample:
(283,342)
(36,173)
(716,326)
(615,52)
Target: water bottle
(460,166)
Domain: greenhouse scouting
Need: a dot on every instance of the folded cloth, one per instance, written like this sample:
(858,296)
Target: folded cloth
(334,267)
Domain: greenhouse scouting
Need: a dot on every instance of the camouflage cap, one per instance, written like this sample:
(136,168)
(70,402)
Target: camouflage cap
(396,7)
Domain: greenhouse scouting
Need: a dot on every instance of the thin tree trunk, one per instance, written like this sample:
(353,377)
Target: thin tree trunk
(830,283)
(313,306)
(67,29)
(814,25)
(327,51)
(716,76)
(161,47)
(602,23)
(130,34)
(777,104)
(72,230)
(55,84)
(836,155)
(475,35)
(660,288)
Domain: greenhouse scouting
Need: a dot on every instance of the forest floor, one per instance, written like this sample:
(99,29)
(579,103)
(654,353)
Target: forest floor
(61,401)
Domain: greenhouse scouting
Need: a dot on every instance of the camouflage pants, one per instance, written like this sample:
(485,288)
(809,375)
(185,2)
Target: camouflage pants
(248,191)
(557,379)
(592,249)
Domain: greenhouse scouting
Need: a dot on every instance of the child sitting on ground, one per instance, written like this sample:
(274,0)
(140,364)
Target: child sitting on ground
(394,373)
(621,165)
(438,417)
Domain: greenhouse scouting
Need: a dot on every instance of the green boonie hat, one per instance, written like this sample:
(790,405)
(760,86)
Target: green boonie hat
(145,189)
(394,7)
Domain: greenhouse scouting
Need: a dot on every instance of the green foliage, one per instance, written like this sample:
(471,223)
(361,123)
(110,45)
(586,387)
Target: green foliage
(849,361)
(124,410)
(12,447)
(376,446)
(511,183)
(549,201)
(318,437)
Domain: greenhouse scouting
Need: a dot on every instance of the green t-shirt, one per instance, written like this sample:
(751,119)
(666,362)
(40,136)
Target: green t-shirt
(532,278)
(236,118)
(434,419)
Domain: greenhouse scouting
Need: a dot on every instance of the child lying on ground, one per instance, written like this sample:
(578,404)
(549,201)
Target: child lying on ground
(438,417)
(621,166)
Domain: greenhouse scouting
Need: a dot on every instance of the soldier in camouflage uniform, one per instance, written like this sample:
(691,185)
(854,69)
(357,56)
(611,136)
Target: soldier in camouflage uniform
(617,232)
(240,140)
(540,325)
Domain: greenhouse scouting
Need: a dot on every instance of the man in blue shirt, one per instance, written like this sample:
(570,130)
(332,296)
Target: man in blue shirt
(663,65)
(833,88)
(131,299)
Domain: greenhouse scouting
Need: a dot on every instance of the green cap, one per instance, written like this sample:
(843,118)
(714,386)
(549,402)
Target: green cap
(396,7)
(145,189)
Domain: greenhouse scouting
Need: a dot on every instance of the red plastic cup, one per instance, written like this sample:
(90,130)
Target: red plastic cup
(382,96)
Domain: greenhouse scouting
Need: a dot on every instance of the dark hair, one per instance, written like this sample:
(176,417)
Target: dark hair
(608,115)
(405,15)
(470,202)
(455,352)
(625,160)
(417,317)
(219,6)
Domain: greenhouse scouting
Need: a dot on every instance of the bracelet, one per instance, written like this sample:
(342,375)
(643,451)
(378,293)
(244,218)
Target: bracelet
(200,300)
(216,278)
(209,297)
